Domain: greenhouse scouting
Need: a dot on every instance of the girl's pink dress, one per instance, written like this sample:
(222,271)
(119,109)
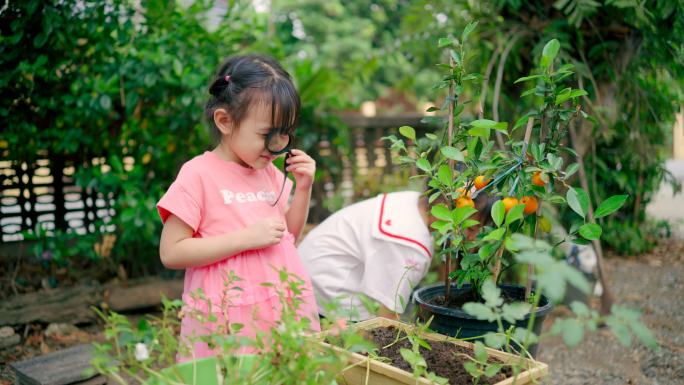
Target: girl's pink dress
(214,197)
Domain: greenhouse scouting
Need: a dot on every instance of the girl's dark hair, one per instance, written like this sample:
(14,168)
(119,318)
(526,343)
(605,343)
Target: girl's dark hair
(245,80)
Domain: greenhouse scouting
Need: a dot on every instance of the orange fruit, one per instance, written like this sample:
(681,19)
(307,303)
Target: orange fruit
(537,179)
(463,193)
(464,201)
(509,202)
(530,203)
(481,181)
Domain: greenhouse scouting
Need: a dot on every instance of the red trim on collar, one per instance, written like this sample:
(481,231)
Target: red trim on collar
(382,211)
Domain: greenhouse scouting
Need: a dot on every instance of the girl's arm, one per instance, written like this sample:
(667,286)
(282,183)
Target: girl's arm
(179,250)
(303,167)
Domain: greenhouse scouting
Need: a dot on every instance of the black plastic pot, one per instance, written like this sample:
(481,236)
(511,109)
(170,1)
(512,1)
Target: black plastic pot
(457,323)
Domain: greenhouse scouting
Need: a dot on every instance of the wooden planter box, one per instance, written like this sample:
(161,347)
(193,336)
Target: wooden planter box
(362,370)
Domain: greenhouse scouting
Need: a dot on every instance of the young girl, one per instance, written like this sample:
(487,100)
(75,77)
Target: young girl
(227,213)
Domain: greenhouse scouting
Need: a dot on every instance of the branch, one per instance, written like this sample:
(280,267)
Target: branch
(499,77)
(483,93)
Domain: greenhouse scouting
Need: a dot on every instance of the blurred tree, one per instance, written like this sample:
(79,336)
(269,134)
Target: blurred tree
(361,40)
(630,58)
(117,91)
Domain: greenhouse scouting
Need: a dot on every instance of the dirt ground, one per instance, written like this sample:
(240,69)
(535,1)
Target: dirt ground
(654,284)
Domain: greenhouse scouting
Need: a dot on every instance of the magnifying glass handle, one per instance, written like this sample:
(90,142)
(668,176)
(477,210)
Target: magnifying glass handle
(285,172)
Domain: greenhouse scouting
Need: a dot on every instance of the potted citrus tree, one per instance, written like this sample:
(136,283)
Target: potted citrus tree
(463,162)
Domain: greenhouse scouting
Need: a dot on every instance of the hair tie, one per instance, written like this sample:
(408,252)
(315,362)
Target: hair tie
(227,78)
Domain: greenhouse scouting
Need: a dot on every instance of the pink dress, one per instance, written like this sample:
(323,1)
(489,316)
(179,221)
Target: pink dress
(214,197)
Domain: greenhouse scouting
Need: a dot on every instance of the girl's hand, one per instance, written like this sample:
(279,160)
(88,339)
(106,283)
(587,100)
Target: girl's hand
(266,232)
(303,167)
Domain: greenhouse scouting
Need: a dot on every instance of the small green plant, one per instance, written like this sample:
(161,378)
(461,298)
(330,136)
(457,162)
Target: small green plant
(413,355)
(146,353)
(553,277)
(135,352)
(478,365)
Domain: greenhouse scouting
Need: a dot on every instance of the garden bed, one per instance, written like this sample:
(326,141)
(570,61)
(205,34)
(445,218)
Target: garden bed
(444,359)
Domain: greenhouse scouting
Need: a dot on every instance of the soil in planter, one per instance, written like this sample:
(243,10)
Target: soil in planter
(457,301)
(443,359)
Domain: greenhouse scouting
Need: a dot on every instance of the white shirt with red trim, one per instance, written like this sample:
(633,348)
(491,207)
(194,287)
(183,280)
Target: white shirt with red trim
(379,247)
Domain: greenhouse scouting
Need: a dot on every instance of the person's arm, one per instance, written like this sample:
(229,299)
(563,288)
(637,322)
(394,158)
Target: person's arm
(179,250)
(303,167)
(387,313)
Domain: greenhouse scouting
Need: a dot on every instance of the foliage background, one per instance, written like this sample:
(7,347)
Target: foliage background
(121,80)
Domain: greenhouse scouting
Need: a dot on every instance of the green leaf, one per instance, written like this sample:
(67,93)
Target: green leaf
(442,212)
(423,164)
(424,344)
(460,214)
(469,223)
(521,334)
(479,131)
(610,205)
(444,175)
(486,250)
(412,358)
(572,332)
(498,212)
(620,330)
(578,200)
(452,153)
(40,39)
(526,78)
(441,226)
(502,127)
(479,311)
(590,231)
(491,294)
(483,123)
(515,311)
(492,370)
(644,334)
(457,60)
(408,132)
(531,91)
(115,163)
(515,213)
(555,161)
(549,53)
(561,98)
(517,242)
(571,169)
(556,199)
(443,42)
(550,282)
(495,235)
(494,340)
(480,351)
(467,30)
(471,368)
